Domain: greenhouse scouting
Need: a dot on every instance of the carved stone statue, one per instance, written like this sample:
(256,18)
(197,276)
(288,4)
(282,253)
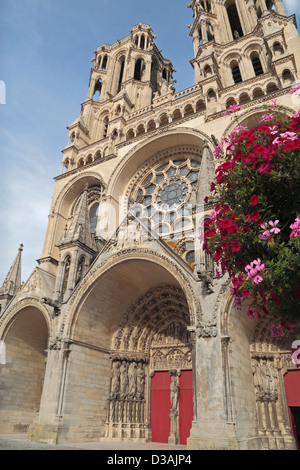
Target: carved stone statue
(123,380)
(174,393)
(132,380)
(115,381)
(140,385)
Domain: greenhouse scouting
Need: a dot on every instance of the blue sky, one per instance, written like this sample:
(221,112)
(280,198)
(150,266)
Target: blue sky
(46,47)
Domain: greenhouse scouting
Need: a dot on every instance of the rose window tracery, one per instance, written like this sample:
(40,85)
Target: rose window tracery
(162,194)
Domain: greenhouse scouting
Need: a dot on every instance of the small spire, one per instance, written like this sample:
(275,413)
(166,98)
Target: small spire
(12,282)
(79,228)
(206,174)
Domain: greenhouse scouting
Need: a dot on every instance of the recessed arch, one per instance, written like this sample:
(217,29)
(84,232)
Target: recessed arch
(138,155)
(26,338)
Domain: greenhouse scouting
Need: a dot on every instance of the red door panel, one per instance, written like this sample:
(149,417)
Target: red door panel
(185,404)
(160,406)
(292,388)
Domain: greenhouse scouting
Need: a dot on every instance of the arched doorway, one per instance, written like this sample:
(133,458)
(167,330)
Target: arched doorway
(130,326)
(22,374)
(151,394)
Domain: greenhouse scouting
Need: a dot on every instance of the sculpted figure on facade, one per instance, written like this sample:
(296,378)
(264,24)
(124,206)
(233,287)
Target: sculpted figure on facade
(123,379)
(132,380)
(265,379)
(115,381)
(174,390)
(140,386)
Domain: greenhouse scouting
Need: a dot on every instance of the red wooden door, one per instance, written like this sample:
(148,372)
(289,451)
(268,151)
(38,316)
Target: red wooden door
(185,404)
(160,406)
(292,388)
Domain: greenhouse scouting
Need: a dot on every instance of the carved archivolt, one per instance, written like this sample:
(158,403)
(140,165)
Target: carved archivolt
(150,317)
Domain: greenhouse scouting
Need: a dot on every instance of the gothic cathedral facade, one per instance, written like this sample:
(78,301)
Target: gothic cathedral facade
(122,331)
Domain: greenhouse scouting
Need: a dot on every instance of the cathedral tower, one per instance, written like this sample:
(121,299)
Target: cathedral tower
(238,42)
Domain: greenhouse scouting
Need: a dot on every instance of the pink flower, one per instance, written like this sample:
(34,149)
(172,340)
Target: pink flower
(232,109)
(253,269)
(297,114)
(265,235)
(267,117)
(257,279)
(295,228)
(274,229)
(296,88)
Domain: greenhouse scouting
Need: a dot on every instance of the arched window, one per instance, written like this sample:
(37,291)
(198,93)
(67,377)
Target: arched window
(236,73)
(151,126)
(271,87)
(66,273)
(230,102)
(97,155)
(104,62)
(89,159)
(200,37)
(97,90)
(105,128)
(257,93)
(176,115)
(210,32)
(80,269)
(287,77)
(94,217)
(207,71)
(188,110)
(258,70)
(234,21)
(142,43)
(138,69)
(130,134)
(165,74)
(270,5)
(200,106)
(244,98)
(163,120)
(278,49)
(211,96)
(140,130)
(121,74)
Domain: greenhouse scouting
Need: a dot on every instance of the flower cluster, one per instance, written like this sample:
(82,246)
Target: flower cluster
(253,233)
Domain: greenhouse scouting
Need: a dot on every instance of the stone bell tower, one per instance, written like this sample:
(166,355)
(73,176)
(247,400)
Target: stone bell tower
(237,41)
(126,77)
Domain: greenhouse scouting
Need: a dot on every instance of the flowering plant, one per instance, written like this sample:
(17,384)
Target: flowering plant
(253,233)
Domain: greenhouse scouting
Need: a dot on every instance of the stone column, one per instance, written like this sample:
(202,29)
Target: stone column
(210,430)
(279,7)
(46,426)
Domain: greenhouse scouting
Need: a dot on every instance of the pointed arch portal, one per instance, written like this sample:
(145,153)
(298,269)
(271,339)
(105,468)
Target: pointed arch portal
(138,315)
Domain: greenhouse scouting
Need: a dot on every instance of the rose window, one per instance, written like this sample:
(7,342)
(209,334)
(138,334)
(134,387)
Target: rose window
(162,194)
